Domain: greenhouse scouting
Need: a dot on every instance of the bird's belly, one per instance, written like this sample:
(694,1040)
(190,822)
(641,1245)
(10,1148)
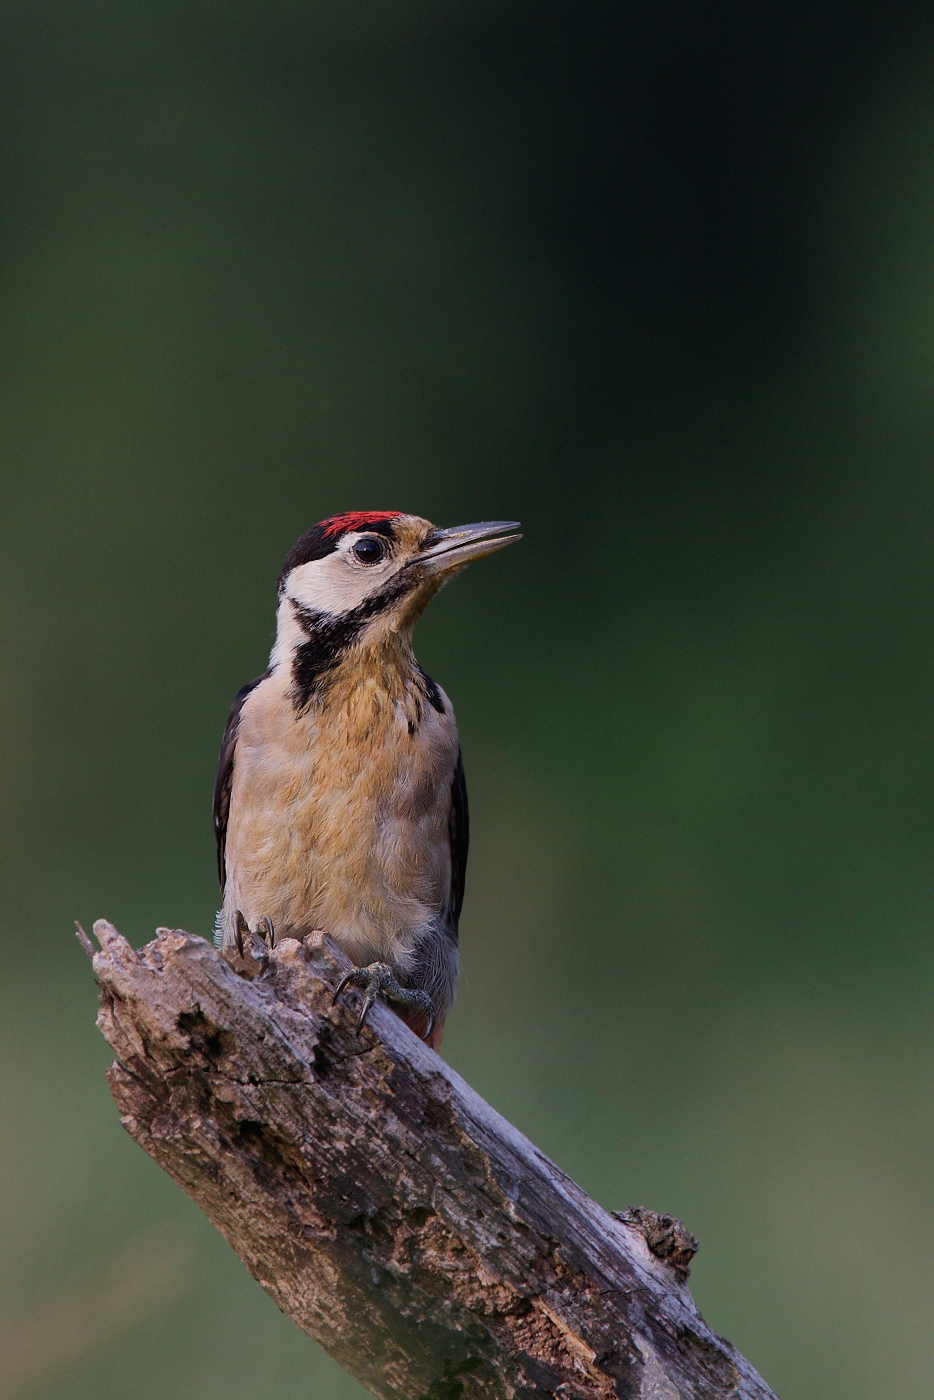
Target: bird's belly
(352,838)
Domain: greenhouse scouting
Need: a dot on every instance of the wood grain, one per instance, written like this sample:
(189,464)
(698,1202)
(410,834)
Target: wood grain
(427,1245)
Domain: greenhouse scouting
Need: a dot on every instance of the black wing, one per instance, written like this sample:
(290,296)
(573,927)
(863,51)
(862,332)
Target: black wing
(224,780)
(460,839)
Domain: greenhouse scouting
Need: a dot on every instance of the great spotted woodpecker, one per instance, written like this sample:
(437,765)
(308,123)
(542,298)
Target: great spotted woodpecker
(340,801)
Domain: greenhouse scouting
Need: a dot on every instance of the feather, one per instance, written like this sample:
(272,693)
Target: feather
(224,779)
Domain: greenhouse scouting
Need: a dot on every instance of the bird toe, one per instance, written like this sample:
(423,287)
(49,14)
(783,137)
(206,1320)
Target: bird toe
(379,980)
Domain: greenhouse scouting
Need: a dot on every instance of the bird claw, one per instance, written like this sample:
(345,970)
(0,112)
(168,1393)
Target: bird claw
(260,940)
(379,980)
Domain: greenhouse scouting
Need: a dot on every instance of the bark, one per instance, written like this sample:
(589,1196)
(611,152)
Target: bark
(390,1212)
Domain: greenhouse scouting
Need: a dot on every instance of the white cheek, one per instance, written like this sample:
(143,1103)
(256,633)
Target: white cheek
(333,584)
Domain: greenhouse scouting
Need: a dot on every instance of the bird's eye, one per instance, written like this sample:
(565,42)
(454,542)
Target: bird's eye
(369,550)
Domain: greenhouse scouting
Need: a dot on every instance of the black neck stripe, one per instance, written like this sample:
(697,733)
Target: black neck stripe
(329,637)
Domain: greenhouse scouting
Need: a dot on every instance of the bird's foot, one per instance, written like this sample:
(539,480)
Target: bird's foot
(379,980)
(258,941)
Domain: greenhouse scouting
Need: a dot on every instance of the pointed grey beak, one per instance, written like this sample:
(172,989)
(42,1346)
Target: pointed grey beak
(448,549)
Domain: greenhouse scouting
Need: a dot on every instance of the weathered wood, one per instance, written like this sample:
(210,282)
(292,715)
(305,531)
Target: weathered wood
(390,1212)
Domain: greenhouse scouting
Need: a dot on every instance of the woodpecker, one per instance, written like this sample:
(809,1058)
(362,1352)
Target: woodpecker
(340,801)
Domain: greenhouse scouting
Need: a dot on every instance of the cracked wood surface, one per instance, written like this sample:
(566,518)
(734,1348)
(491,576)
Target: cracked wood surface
(427,1245)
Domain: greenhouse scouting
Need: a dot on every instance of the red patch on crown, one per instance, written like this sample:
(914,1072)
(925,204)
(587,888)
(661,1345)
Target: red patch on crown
(356,520)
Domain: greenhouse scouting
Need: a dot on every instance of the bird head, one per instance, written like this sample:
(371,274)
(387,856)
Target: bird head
(369,575)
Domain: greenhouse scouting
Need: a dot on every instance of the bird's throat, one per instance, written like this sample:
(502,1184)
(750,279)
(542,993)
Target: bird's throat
(334,657)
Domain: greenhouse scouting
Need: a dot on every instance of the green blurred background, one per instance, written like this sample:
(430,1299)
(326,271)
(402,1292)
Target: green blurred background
(656,279)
